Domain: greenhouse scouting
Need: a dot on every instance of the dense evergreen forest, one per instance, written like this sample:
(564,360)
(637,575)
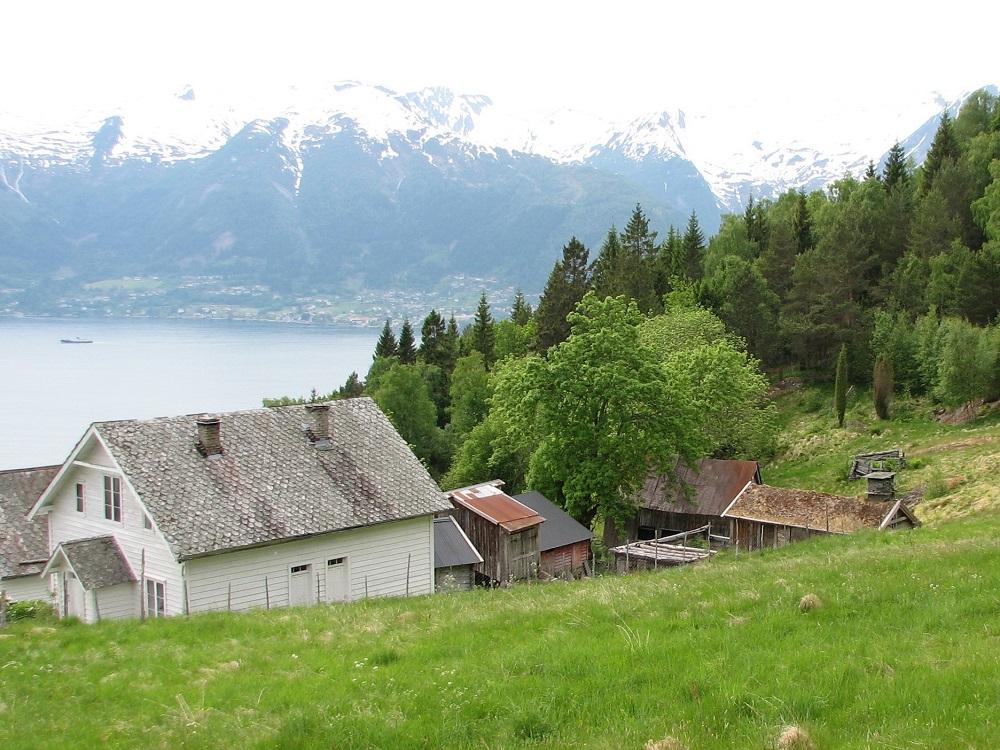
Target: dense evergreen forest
(661,346)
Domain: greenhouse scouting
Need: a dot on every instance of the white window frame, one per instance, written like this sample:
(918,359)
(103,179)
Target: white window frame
(81,497)
(156,597)
(113,499)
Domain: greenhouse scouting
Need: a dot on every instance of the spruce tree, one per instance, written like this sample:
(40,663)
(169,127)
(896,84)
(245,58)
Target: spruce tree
(407,344)
(692,249)
(870,173)
(637,239)
(386,346)
(483,335)
(944,148)
(566,285)
(432,339)
(884,382)
(352,388)
(896,172)
(608,274)
(450,344)
(803,224)
(840,386)
(521,312)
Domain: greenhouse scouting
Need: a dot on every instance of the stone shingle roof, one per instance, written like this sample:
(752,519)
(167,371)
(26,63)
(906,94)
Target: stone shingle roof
(97,562)
(271,482)
(23,543)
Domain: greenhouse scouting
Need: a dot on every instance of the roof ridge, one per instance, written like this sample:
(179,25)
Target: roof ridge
(234,412)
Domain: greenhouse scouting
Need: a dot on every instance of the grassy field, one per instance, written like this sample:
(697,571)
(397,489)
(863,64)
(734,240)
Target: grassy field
(956,466)
(903,653)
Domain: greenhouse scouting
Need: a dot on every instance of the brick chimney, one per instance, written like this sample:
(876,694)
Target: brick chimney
(320,430)
(209,435)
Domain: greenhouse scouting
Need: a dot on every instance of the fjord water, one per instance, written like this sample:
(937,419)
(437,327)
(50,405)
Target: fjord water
(50,392)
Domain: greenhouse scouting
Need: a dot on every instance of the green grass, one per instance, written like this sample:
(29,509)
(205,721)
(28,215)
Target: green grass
(904,653)
(959,463)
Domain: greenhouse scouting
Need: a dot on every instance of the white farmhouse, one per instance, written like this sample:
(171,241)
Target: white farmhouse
(24,546)
(264,508)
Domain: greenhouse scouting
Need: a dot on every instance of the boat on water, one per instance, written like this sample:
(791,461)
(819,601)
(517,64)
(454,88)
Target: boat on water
(76,340)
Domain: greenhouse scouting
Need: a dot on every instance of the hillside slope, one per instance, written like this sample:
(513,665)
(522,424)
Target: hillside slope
(903,653)
(952,469)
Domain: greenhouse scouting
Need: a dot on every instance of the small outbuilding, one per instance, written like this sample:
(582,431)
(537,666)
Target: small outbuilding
(503,531)
(765,516)
(455,557)
(563,542)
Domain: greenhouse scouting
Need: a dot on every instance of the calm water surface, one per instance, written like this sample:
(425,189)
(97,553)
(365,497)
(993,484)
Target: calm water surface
(50,392)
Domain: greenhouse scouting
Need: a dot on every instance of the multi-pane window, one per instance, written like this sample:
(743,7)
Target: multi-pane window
(156,598)
(80,497)
(113,498)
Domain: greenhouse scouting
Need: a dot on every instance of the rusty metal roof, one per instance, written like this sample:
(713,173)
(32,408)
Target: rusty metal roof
(497,507)
(707,490)
(813,510)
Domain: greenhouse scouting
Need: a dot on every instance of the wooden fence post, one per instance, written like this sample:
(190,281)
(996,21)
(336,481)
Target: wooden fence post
(142,586)
(408,556)
(229,598)
(267,594)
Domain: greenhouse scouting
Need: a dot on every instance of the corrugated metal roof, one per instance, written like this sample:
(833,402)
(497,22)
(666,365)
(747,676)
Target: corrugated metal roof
(22,542)
(451,545)
(496,506)
(808,509)
(560,528)
(707,490)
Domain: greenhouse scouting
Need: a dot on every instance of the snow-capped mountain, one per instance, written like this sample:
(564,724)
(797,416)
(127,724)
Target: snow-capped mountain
(360,185)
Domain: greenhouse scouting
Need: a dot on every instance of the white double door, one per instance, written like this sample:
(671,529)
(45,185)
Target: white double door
(303,583)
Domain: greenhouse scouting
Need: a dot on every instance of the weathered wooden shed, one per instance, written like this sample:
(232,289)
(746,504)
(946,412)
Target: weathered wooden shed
(504,531)
(865,463)
(686,499)
(765,516)
(454,557)
(563,542)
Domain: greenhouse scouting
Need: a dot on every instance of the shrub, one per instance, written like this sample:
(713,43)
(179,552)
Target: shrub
(936,485)
(29,609)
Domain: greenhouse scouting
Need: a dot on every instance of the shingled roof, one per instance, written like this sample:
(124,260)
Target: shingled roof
(98,562)
(24,544)
(271,482)
(814,510)
(706,490)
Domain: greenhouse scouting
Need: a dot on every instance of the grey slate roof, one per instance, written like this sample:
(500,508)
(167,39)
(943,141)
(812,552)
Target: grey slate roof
(97,562)
(559,528)
(451,546)
(23,543)
(271,483)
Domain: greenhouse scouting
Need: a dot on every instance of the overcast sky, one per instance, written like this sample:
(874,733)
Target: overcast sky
(776,59)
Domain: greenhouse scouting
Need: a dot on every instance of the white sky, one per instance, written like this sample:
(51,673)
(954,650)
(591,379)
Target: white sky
(771,60)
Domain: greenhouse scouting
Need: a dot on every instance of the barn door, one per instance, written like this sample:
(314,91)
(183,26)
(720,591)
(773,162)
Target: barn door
(337,586)
(300,586)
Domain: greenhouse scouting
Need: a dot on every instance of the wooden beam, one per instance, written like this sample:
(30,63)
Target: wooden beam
(98,467)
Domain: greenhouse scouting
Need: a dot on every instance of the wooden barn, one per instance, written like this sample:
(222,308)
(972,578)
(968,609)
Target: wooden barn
(504,531)
(454,557)
(685,500)
(766,516)
(563,542)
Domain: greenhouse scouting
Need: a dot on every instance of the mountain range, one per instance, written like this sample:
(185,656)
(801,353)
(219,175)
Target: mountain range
(354,186)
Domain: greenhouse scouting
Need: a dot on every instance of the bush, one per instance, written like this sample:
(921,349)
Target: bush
(936,485)
(29,609)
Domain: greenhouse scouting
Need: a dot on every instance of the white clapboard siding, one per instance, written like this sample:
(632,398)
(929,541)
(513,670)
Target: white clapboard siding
(117,602)
(378,553)
(23,588)
(66,524)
